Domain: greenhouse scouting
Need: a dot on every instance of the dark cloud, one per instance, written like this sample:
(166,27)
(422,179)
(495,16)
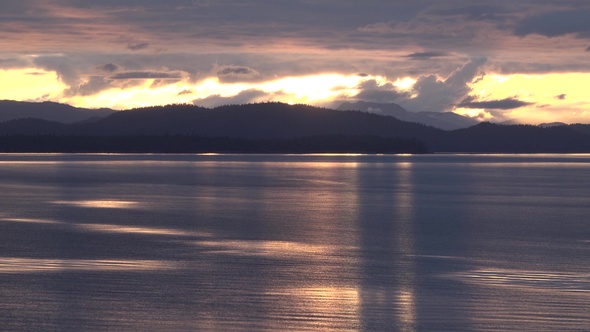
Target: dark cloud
(43,98)
(378,28)
(588,49)
(561,96)
(67,70)
(138,46)
(109,68)
(503,104)
(185,92)
(426,55)
(371,91)
(144,75)
(235,73)
(93,85)
(553,24)
(476,12)
(436,95)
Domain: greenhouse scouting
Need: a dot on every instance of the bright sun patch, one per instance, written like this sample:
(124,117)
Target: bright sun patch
(303,89)
(30,84)
(553,97)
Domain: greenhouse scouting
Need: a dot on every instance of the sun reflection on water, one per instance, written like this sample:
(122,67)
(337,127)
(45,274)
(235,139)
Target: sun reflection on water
(322,308)
(529,280)
(405,239)
(102,204)
(122,229)
(276,249)
(30,220)
(32,265)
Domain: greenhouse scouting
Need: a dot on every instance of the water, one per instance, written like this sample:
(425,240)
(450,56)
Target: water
(299,243)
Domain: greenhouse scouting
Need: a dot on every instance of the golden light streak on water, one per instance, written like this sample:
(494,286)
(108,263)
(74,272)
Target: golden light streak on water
(102,204)
(286,249)
(537,281)
(405,240)
(32,265)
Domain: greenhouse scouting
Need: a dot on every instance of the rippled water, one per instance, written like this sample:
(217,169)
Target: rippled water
(299,243)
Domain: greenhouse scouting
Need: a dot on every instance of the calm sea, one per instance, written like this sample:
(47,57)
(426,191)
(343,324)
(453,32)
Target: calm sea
(294,243)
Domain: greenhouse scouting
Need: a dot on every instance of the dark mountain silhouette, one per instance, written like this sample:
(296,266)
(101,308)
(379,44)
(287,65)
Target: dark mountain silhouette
(551,124)
(267,120)
(489,138)
(582,128)
(11,110)
(277,127)
(32,127)
(442,120)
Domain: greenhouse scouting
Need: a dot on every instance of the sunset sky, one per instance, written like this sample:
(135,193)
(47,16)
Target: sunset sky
(495,60)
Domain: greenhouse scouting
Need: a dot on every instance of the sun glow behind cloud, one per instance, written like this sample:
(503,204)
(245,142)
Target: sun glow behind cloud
(311,89)
(30,84)
(548,97)
(553,97)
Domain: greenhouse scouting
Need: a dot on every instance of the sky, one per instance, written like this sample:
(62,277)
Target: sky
(526,60)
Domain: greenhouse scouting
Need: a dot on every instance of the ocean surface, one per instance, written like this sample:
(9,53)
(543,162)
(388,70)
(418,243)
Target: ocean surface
(294,243)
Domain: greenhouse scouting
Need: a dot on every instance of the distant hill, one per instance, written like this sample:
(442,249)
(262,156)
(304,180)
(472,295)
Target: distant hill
(442,120)
(582,128)
(494,138)
(266,120)
(551,124)
(277,127)
(32,127)
(12,110)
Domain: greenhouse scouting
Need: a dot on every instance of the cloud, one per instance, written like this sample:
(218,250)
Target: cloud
(146,75)
(185,92)
(426,55)
(93,85)
(109,68)
(108,44)
(429,93)
(67,70)
(10,63)
(136,46)
(476,12)
(554,24)
(244,97)
(378,28)
(371,91)
(436,95)
(235,73)
(503,104)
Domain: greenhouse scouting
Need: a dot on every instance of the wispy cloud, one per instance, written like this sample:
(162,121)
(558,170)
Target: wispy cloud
(145,75)
(138,46)
(426,55)
(504,104)
(109,67)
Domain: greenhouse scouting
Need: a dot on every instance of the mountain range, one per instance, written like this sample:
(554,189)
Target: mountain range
(280,125)
(50,111)
(442,120)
